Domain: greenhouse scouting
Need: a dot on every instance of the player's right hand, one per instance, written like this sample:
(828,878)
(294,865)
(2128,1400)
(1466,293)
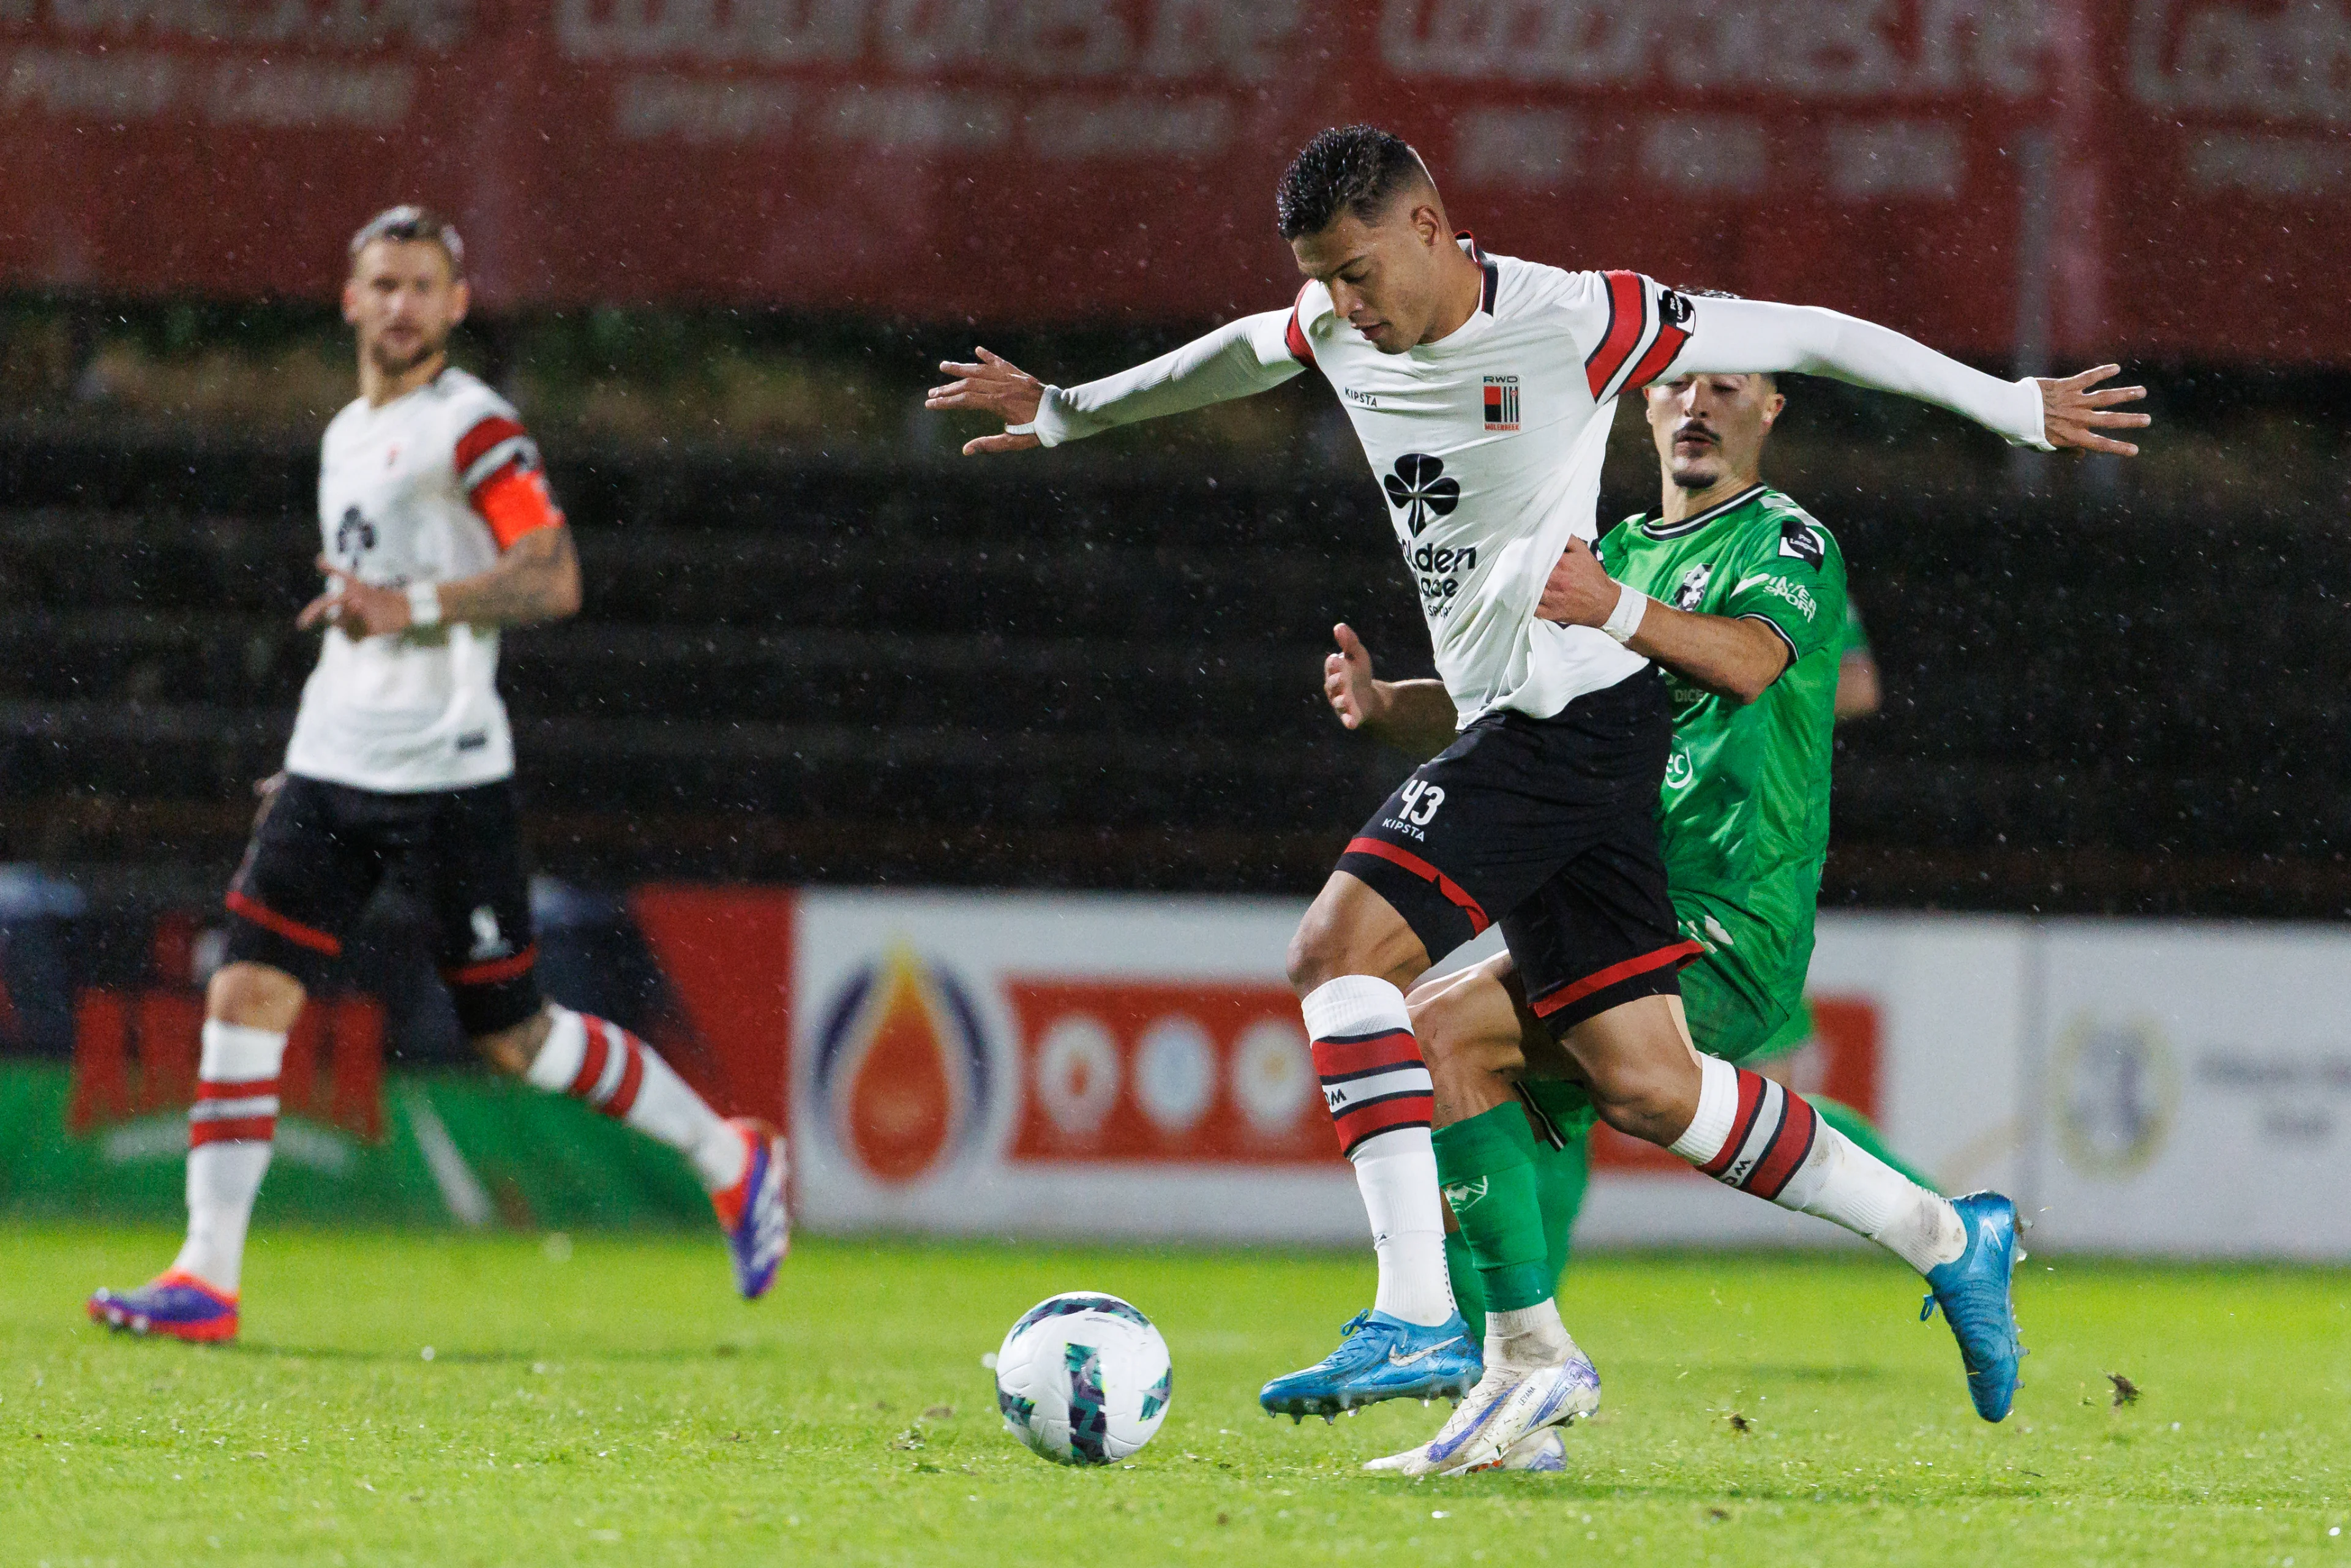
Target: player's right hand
(993,384)
(1347,682)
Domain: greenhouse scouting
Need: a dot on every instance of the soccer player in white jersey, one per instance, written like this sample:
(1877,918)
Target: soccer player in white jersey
(1482,389)
(437,529)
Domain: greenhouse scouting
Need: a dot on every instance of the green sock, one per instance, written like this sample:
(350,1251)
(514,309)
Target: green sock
(1856,1126)
(1560,1177)
(1561,1173)
(1469,1287)
(1486,1164)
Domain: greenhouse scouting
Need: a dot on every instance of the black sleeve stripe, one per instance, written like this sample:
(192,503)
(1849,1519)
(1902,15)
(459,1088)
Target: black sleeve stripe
(1780,633)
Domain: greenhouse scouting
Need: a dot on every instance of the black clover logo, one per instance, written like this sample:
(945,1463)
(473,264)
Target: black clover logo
(1418,488)
(354,535)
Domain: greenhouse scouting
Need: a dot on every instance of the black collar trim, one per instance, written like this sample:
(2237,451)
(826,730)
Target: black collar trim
(1468,242)
(1692,525)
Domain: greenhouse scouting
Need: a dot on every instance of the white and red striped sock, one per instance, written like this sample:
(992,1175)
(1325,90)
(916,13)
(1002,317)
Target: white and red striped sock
(1753,1135)
(1382,1101)
(229,1131)
(609,1068)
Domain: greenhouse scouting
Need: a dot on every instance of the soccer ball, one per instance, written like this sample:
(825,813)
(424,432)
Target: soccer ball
(1082,1379)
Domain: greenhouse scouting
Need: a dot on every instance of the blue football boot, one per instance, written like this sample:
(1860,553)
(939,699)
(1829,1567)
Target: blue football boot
(752,1212)
(175,1304)
(1973,1290)
(1380,1357)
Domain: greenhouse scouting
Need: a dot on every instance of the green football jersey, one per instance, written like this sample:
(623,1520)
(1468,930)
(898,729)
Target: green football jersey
(1745,813)
(1857,635)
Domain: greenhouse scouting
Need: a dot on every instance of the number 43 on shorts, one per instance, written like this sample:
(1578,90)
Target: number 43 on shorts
(1421,799)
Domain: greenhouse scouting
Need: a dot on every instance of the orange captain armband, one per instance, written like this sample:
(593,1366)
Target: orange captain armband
(515,502)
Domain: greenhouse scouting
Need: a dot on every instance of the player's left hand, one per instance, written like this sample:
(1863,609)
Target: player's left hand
(1580,592)
(2072,414)
(361,609)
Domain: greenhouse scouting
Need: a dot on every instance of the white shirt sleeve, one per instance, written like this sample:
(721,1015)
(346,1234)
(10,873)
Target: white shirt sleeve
(1237,360)
(1743,335)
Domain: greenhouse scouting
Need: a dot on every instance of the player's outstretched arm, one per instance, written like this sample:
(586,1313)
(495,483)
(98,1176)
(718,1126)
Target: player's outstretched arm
(1414,716)
(1731,656)
(537,579)
(1238,358)
(1740,335)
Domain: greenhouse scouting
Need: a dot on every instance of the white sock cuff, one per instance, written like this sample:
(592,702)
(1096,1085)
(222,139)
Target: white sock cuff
(558,1058)
(238,1053)
(1417,1149)
(1717,1107)
(1354,1004)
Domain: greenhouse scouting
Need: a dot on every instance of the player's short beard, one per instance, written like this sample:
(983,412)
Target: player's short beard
(1688,473)
(391,364)
(1691,476)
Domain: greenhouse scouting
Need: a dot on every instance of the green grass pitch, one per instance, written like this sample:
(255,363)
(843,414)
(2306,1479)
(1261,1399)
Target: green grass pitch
(611,1403)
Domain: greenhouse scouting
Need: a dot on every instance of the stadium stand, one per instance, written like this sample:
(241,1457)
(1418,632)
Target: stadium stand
(1103,673)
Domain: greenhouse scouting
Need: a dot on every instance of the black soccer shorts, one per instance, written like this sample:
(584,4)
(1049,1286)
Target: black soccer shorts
(319,851)
(1548,826)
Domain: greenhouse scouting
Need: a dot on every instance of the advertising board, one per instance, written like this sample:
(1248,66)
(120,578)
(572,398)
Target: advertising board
(1999,177)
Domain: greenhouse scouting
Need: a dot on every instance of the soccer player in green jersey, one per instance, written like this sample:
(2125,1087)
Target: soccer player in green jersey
(1753,664)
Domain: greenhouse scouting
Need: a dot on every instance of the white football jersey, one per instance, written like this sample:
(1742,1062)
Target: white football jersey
(1489,445)
(418,709)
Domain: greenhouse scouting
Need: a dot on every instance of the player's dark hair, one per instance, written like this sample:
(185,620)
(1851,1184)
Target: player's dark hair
(409,223)
(1356,169)
(1770,379)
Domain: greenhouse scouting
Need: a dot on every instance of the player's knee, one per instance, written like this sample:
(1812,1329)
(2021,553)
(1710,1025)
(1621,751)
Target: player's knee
(1641,1100)
(1437,1018)
(512,1050)
(253,995)
(1352,937)
(1309,960)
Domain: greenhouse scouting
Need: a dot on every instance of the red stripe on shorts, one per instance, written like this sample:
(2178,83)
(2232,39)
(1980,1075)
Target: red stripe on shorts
(1420,868)
(1614,974)
(491,971)
(294,931)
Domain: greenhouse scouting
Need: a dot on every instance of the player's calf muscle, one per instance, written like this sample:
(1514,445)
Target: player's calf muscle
(1470,1035)
(1640,1068)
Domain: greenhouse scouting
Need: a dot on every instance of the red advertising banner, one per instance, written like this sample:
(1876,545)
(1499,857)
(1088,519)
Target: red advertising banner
(1121,1070)
(2003,177)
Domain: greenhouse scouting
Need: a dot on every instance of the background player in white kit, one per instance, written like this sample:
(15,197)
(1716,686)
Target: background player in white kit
(437,529)
(1481,389)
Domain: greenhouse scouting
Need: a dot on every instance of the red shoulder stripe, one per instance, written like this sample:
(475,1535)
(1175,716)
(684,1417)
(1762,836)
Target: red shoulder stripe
(1293,336)
(1661,353)
(1625,320)
(487,432)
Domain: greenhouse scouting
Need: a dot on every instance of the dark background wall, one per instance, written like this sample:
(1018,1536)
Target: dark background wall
(2109,687)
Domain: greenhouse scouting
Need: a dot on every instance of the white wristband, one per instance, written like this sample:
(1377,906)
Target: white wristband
(423,604)
(1626,619)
